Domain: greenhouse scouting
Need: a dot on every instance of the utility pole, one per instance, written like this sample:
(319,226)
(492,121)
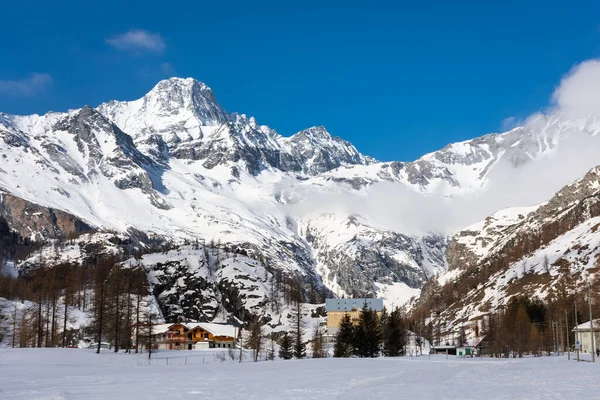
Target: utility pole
(567,330)
(577,342)
(593,349)
(561,339)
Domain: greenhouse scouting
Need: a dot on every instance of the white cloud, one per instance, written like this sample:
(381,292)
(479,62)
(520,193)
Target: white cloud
(138,40)
(167,69)
(579,90)
(34,84)
(509,123)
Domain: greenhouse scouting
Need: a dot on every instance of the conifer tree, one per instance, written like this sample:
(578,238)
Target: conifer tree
(299,345)
(285,347)
(395,337)
(382,321)
(344,338)
(367,336)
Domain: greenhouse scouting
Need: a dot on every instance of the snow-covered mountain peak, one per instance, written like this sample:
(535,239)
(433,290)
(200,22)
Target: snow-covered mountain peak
(315,133)
(172,95)
(176,109)
(323,152)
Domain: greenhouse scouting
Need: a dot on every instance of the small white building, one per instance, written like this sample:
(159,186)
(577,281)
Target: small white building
(584,335)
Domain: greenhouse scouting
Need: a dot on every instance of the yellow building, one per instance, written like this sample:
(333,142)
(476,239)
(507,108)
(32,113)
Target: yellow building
(337,308)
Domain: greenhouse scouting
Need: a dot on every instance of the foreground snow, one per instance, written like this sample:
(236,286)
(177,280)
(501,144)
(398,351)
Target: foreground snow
(81,374)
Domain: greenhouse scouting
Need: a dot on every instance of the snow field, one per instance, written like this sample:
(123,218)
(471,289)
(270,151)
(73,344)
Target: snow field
(81,374)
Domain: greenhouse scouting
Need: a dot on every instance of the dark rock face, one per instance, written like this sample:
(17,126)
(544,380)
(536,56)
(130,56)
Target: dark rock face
(174,94)
(12,138)
(182,293)
(210,283)
(317,152)
(30,219)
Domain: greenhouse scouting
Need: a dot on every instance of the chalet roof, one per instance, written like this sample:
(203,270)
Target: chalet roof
(218,329)
(161,328)
(586,326)
(350,304)
(215,328)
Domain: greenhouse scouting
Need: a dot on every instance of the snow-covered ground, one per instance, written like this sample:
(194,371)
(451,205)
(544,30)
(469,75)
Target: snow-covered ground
(81,374)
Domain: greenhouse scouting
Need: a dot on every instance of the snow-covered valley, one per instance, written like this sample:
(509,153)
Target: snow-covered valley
(82,374)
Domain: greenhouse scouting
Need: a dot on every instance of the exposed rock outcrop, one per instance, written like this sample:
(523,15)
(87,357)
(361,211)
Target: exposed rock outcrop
(37,222)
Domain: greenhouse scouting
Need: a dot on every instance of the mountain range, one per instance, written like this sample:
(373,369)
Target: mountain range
(173,168)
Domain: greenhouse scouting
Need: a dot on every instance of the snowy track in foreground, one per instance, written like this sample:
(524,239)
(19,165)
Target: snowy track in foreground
(81,374)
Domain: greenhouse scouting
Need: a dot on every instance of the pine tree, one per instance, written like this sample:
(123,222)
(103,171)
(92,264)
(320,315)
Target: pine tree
(360,337)
(367,335)
(299,345)
(344,338)
(382,321)
(395,337)
(285,347)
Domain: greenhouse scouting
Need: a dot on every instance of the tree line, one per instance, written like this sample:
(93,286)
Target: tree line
(530,326)
(49,298)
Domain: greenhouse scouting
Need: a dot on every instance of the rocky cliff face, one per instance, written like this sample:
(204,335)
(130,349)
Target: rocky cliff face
(37,222)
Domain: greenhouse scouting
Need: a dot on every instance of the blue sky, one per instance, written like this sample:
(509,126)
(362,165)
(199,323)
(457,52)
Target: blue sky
(397,79)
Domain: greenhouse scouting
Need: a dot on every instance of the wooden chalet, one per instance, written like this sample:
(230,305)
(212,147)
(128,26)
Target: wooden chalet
(193,336)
